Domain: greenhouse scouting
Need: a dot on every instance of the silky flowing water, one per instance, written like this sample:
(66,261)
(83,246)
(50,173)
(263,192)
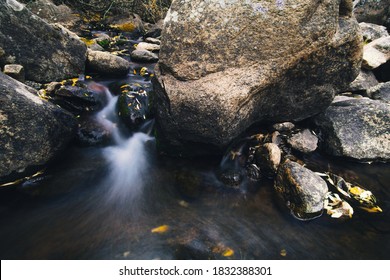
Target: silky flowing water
(125,201)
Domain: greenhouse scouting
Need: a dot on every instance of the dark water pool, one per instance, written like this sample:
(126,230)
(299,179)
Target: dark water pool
(73,214)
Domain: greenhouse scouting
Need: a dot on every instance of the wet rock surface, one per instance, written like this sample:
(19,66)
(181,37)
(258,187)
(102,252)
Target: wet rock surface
(302,191)
(356,128)
(212,84)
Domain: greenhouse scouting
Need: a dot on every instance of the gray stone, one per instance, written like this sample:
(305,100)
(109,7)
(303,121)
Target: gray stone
(380,92)
(47,52)
(363,81)
(225,65)
(283,127)
(302,190)
(303,141)
(376,53)
(357,128)
(106,63)
(32,131)
(143,56)
(148,47)
(15,71)
(371,31)
(152,40)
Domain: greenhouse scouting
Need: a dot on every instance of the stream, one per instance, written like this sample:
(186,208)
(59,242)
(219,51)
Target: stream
(125,201)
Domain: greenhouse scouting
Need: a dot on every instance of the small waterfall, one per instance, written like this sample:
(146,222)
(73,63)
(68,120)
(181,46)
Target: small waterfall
(127,158)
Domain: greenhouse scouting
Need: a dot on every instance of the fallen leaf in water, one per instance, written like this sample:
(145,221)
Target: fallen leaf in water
(160,229)
(126,254)
(374,209)
(283,252)
(183,203)
(228,253)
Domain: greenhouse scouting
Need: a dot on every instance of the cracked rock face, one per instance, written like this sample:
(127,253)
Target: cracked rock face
(225,65)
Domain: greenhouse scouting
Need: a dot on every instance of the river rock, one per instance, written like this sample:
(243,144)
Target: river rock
(371,31)
(15,71)
(225,65)
(268,157)
(133,108)
(357,128)
(376,53)
(78,99)
(380,92)
(143,56)
(32,131)
(148,46)
(303,141)
(152,40)
(374,11)
(47,52)
(301,189)
(365,80)
(284,127)
(107,64)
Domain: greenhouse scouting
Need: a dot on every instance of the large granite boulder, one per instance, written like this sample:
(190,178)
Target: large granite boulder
(32,131)
(47,52)
(225,65)
(356,128)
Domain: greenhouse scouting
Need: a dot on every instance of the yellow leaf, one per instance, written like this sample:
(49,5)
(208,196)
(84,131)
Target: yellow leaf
(228,253)
(283,252)
(374,209)
(356,190)
(160,229)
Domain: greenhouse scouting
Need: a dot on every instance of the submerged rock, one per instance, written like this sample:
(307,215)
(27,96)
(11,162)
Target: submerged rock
(225,65)
(47,52)
(32,131)
(106,63)
(303,141)
(357,128)
(302,190)
(91,133)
